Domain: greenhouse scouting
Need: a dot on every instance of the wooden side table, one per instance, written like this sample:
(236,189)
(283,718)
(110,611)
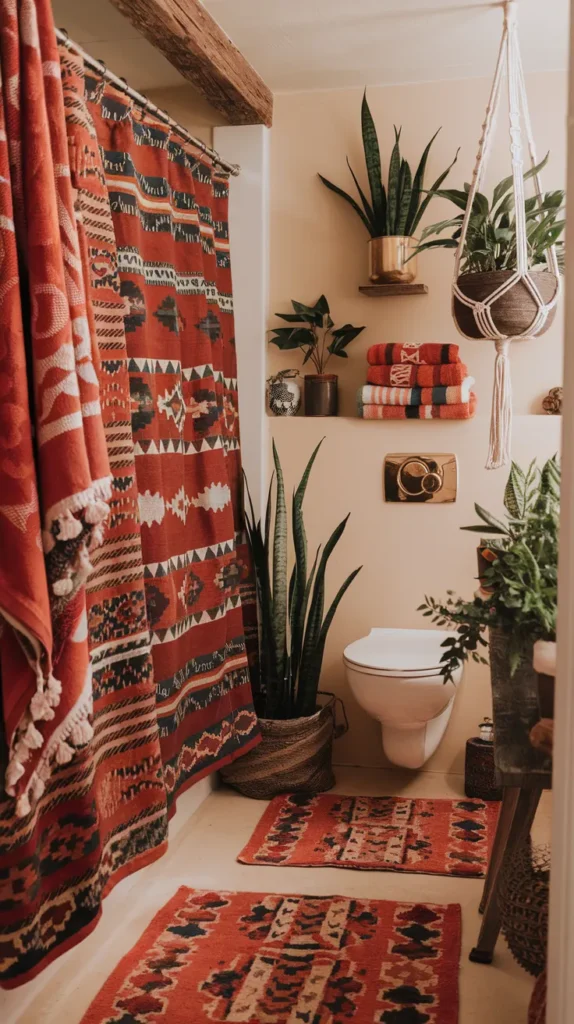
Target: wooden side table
(523,773)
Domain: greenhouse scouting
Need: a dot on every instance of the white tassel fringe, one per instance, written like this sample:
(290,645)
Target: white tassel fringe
(501,416)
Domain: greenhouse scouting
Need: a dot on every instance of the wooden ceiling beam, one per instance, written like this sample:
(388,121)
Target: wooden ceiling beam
(194,43)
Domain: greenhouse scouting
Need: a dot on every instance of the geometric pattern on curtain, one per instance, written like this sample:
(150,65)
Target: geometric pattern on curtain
(169,208)
(104,814)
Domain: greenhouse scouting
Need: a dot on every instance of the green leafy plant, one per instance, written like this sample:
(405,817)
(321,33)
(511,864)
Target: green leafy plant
(314,332)
(520,584)
(491,238)
(293,625)
(398,208)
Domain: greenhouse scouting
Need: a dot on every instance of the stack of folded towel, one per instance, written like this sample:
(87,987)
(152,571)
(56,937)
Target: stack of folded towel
(410,381)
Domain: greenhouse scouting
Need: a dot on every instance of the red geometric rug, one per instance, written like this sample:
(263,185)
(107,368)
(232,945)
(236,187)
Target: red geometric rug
(248,958)
(375,833)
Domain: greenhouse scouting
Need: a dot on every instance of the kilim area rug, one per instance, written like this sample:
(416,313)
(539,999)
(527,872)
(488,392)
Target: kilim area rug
(382,833)
(211,957)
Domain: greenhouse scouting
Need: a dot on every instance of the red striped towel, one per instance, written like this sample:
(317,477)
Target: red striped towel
(407,375)
(464,411)
(371,394)
(428,352)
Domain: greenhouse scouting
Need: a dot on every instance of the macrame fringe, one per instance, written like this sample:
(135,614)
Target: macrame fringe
(501,415)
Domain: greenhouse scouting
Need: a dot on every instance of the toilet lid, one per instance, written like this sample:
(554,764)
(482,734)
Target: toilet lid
(399,651)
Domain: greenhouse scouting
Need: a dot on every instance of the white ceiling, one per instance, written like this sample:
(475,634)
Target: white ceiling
(326,44)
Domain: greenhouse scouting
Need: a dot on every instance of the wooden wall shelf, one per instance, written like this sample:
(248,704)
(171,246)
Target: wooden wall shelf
(380,291)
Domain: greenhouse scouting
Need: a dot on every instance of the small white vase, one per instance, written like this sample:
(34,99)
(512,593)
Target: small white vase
(284,397)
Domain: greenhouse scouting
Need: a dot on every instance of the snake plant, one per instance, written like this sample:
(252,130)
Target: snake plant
(293,625)
(398,208)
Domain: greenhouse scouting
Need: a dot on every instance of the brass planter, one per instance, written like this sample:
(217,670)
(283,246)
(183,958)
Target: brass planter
(388,257)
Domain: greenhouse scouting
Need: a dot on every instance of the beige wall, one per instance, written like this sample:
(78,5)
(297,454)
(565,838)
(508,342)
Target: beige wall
(187,106)
(318,245)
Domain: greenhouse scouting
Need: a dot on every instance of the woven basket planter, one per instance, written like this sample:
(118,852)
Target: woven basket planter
(513,312)
(523,901)
(294,756)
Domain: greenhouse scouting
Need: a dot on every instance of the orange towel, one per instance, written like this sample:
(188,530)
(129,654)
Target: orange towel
(428,352)
(407,375)
(464,411)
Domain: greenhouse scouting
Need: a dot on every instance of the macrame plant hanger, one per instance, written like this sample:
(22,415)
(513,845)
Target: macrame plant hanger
(509,59)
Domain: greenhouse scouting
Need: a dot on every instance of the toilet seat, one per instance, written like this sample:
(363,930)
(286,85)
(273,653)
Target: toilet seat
(400,653)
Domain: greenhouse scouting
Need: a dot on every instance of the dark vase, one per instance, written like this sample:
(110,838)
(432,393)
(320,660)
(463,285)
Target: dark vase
(321,394)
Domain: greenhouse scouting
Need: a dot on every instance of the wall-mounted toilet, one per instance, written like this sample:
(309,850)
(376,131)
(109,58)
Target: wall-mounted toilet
(395,675)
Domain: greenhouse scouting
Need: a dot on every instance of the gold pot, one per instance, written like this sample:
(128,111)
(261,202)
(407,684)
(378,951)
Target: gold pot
(388,257)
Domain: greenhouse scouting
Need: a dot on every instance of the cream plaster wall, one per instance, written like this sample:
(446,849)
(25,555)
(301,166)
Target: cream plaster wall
(318,245)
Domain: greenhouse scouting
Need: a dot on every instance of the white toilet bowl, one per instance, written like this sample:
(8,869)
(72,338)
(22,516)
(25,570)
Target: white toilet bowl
(395,675)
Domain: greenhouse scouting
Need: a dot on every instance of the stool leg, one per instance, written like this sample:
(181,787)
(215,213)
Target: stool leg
(509,800)
(525,805)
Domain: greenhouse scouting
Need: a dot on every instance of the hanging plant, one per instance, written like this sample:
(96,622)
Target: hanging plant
(394,210)
(499,291)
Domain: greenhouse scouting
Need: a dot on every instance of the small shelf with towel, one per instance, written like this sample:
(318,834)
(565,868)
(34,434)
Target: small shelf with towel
(381,291)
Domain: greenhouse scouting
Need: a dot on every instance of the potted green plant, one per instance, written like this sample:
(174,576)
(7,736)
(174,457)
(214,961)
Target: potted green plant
(490,252)
(518,573)
(393,213)
(297,730)
(313,331)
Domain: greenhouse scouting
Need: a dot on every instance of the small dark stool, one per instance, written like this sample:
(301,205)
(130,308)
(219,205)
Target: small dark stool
(523,773)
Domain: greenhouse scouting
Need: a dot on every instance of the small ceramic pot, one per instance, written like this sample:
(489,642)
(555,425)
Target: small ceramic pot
(388,257)
(284,396)
(321,394)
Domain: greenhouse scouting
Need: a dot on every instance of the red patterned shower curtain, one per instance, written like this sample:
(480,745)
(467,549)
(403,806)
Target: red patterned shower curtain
(171,691)
(169,208)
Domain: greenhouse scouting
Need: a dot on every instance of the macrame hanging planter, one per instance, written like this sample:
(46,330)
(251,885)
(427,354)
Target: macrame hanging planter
(506,305)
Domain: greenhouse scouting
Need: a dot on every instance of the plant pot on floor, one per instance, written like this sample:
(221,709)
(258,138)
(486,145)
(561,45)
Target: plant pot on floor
(514,312)
(388,257)
(321,394)
(294,756)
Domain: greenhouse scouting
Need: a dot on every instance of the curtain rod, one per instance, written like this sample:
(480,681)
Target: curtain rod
(143,101)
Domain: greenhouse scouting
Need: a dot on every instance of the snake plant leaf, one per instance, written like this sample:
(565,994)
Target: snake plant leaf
(415,216)
(328,620)
(317,660)
(315,618)
(268,513)
(369,212)
(417,188)
(514,499)
(406,190)
(345,195)
(297,617)
(393,185)
(373,162)
(280,568)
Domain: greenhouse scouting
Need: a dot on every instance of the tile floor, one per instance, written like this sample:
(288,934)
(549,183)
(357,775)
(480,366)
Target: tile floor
(202,854)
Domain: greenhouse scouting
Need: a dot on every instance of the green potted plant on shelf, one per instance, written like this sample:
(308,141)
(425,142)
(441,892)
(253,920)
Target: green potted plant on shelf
(297,730)
(393,212)
(490,250)
(313,332)
(516,603)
